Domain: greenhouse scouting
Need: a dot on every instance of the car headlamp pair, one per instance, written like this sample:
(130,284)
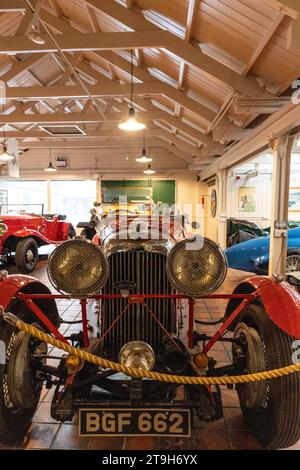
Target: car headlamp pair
(195,267)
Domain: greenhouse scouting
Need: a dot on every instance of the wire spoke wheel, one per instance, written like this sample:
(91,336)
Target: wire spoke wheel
(293,263)
(252,394)
(20,387)
(271,408)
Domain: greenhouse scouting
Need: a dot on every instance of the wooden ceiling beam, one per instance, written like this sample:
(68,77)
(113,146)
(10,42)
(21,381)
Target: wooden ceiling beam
(288,7)
(113,89)
(12,5)
(86,42)
(90,135)
(176,151)
(56,7)
(102,89)
(140,73)
(25,23)
(71,117)
(263,42)
(20,67)
(181,48)
(190,20)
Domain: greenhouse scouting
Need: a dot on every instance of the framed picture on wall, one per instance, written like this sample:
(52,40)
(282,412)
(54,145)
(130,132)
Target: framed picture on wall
(246,199)
(294,200)
(213,203)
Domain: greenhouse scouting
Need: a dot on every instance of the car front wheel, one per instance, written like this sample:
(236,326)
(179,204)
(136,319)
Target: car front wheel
(27,255)
(271,408)
(293,261)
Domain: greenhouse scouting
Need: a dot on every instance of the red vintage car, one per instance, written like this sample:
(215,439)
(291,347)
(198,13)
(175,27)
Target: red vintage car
(143,369)
(23,232)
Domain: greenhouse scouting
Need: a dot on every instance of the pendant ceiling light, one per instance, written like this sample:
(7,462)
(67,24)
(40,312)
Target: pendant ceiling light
(50,167)
(131,124)
(149,170)
(5,156)
(35,34)
(144,158)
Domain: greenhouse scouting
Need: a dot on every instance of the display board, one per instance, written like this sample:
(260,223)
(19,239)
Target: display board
(163,191)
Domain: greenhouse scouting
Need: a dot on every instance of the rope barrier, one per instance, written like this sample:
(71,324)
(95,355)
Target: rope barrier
(140,373)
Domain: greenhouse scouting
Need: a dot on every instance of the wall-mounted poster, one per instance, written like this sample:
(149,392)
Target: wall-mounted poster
(247,199)
(294,200)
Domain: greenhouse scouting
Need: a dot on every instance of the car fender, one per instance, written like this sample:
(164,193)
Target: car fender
(25,233)
(280,300)
(15,283)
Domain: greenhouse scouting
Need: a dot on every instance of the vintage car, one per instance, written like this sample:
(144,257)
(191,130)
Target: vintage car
(23,232)
(240,230)
(145,369)
(253,255)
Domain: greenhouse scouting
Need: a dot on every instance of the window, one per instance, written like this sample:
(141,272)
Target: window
(30,196)
(73,199)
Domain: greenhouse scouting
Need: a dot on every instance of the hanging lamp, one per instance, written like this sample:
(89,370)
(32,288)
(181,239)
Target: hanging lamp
(144,158)
(149,170)
(131,124)
(50,167)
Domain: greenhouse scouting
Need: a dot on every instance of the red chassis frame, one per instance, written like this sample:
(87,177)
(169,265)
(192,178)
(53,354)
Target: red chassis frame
(280,300)
(246,299)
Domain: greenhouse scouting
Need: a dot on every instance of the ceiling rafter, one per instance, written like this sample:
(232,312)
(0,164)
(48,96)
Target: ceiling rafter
(188,53)
(56,7)
(192,8)
(86,42)
(142,74)
(292,9)
(263,42)
(190,20)
(115,60)
(102,90)
(181,48)
(12,5)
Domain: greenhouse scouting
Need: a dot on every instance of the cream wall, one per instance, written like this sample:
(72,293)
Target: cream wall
(197,194)
(188,197)
(263,198)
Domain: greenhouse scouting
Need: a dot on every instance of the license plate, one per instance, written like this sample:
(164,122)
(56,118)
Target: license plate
(134,422)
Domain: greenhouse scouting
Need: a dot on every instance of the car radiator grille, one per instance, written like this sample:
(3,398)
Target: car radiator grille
(148,271)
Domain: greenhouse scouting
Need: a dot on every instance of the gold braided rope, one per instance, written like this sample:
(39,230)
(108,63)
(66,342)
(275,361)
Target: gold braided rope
(139,373)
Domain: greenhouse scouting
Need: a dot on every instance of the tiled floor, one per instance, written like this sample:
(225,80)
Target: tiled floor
(228,433)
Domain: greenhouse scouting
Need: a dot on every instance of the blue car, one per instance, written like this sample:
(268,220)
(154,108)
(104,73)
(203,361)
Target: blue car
(253,255)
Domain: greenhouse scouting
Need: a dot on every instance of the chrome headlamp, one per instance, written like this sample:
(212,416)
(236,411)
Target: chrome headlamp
(3,229)
(196,267)
(137,354)
(78,267)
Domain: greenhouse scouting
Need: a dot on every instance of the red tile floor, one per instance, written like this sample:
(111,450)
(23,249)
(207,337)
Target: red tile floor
(228,433)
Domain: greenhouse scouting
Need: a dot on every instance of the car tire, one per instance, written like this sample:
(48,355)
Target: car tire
(15,421)
(27,255)
(293,261)
(271,408)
